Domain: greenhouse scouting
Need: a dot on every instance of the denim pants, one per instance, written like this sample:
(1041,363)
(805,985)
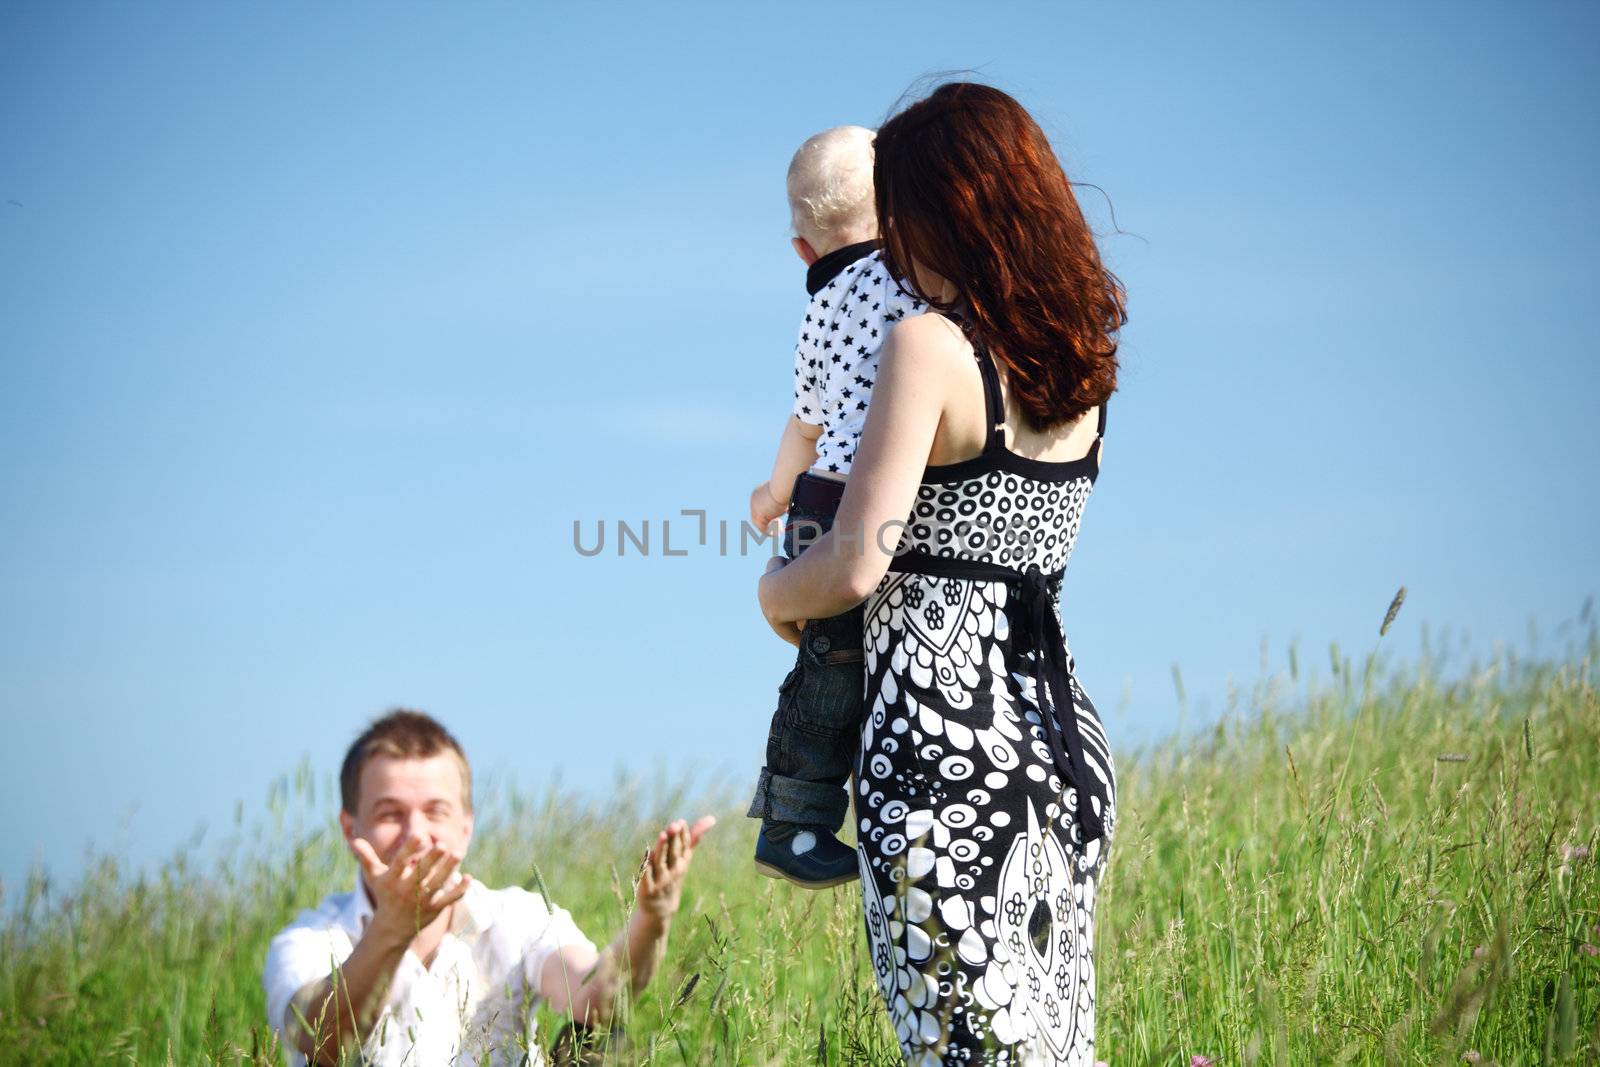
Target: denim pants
(816,729)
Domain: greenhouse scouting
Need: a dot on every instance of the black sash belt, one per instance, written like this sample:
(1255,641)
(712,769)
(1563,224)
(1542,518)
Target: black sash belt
(1052,671)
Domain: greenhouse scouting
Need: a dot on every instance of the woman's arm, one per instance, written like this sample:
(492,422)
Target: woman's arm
(920,359)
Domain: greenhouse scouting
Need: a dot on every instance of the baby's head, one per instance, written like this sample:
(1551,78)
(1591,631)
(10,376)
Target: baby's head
(830,192)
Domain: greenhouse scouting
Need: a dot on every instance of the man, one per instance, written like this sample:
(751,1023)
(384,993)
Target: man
(424,965)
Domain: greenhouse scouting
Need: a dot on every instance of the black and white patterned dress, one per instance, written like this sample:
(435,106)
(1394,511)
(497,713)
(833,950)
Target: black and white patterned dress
(983,827)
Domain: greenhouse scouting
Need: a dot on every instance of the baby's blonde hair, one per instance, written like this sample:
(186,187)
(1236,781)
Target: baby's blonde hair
(830,187)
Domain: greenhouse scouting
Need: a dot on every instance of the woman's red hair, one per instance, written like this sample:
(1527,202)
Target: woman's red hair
(968,186)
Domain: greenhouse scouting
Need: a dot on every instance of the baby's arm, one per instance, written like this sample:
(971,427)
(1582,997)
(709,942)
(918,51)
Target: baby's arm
(797,451)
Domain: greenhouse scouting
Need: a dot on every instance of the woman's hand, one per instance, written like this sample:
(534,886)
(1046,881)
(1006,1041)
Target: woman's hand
(789,631)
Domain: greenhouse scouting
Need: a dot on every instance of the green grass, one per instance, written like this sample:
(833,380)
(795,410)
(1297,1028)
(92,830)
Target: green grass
(1382,867)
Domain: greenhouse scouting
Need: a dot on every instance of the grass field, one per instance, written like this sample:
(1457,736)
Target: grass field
(1381,866)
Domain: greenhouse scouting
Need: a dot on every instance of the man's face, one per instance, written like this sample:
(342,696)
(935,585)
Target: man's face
(404,798)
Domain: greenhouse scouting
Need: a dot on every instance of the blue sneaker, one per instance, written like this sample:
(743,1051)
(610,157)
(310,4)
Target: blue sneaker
(808,856)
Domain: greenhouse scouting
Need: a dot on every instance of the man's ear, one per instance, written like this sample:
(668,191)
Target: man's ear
(803,249)
(347,826)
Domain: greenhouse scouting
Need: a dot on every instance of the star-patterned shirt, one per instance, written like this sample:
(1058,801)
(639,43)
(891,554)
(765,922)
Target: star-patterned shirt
(854,302)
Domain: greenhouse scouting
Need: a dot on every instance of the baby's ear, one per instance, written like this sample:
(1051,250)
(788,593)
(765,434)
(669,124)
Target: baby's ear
(803,249)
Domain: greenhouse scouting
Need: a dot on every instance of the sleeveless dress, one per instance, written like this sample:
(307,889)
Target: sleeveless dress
(983,825)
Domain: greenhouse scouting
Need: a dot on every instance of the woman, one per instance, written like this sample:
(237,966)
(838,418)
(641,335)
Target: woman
(983,824)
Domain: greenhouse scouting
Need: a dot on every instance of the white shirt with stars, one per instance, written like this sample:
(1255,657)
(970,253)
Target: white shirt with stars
(836,359)
(473,1005)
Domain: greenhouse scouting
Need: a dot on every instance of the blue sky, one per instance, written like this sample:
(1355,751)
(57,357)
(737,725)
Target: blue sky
(320,324)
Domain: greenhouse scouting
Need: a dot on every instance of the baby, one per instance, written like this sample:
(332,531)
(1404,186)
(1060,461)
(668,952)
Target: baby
(811,745)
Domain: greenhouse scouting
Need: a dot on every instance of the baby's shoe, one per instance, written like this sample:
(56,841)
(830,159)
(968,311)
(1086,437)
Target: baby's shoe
(809,856)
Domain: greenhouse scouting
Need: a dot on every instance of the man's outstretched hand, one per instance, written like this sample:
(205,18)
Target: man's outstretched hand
(411,886)
(665,865)
(640,946)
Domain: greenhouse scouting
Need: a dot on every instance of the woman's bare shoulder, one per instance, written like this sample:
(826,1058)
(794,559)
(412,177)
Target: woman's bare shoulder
(932,340)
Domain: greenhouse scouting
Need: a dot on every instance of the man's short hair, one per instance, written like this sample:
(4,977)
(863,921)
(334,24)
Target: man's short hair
(402,734)
(830,186)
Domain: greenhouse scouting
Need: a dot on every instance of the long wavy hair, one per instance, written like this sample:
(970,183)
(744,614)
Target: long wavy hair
(968,186)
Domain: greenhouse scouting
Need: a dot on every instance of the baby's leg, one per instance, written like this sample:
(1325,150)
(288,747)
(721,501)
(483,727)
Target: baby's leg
(811,740)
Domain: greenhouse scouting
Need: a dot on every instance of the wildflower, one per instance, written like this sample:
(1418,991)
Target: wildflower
(1198,1060)
(1589,950)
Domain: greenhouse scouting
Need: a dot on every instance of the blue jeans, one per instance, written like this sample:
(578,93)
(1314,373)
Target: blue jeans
(812,742)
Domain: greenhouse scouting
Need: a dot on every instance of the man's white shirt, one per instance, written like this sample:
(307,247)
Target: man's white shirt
(478,997)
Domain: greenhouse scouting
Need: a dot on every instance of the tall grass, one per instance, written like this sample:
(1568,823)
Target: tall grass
(1385,866)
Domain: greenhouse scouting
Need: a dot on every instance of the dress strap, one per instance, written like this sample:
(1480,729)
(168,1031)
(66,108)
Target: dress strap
(1099,434)
(993,403)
